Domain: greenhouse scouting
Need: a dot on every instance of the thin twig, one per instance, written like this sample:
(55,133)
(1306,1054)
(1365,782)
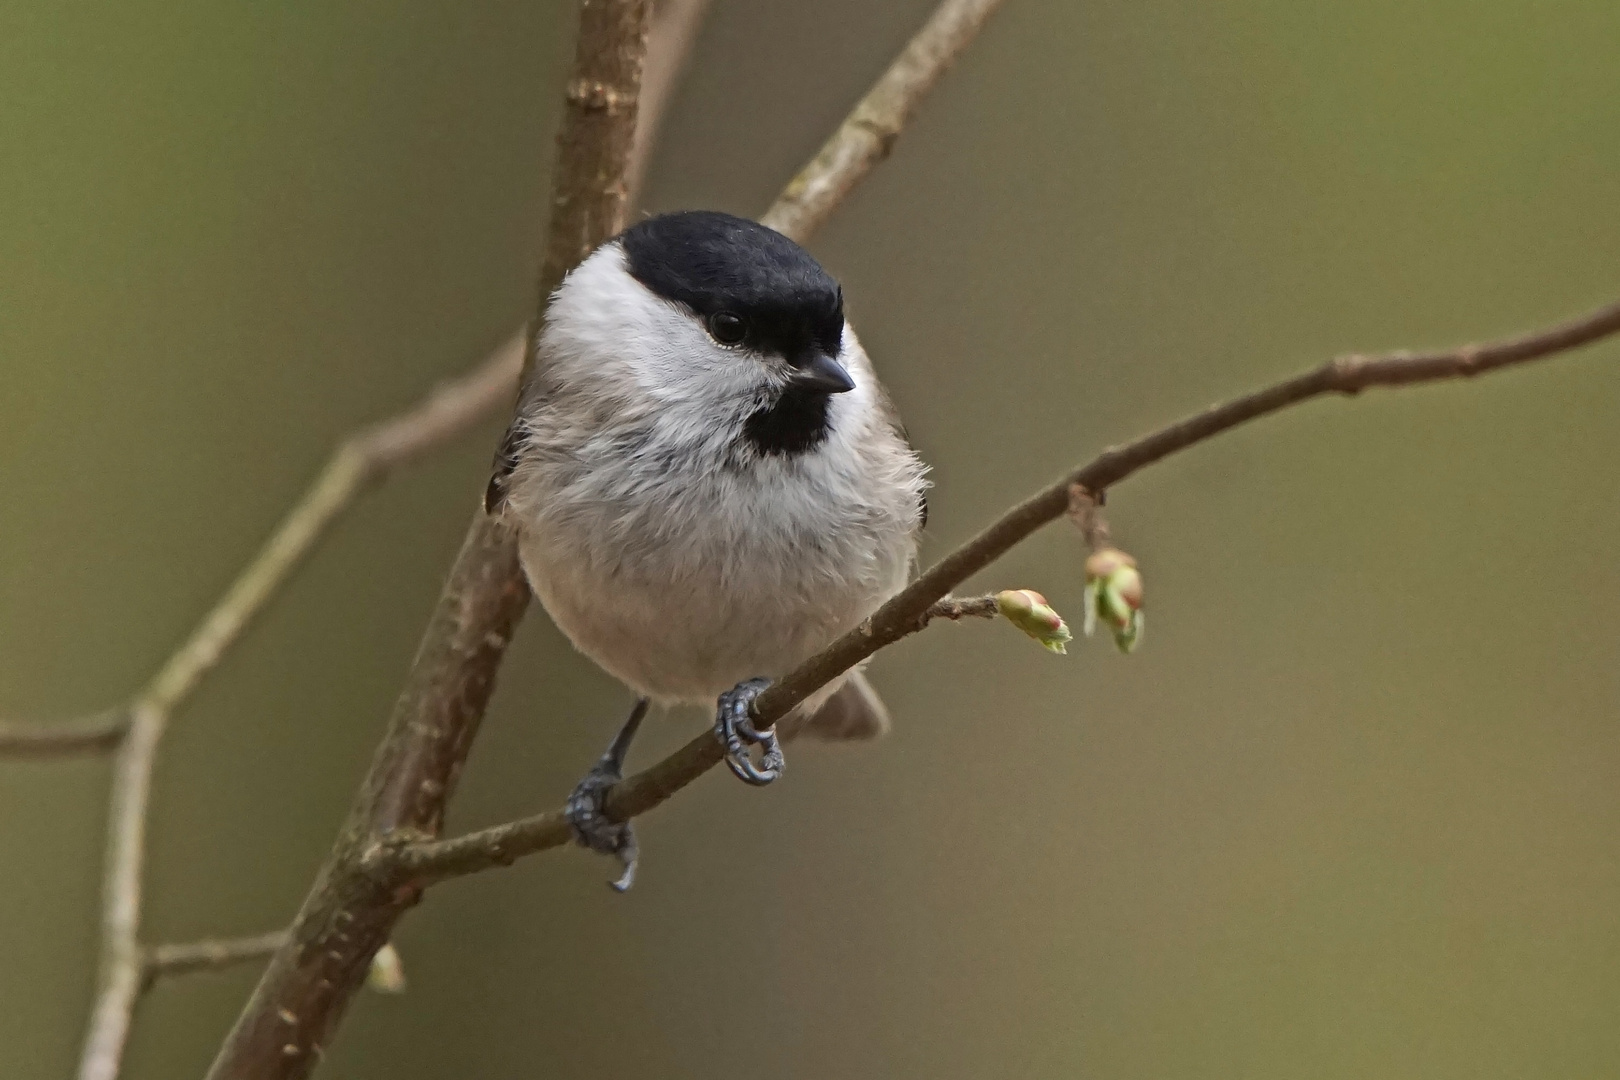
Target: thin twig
(956,608)
(90,734)
(350,912)
(674,33)
(869,134)
(163,961)
(1085,510)
(118,980)
(359,462)
(427,861)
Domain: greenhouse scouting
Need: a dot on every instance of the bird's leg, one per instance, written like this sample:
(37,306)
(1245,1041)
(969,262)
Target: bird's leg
(734,727)
(592,827)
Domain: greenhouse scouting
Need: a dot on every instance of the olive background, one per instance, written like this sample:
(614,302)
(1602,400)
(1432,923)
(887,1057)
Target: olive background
(1351,811)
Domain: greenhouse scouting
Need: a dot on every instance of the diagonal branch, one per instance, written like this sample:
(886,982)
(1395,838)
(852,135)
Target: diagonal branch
(869,133)
(423,862)
(210,954)
(360,462)
(86,735)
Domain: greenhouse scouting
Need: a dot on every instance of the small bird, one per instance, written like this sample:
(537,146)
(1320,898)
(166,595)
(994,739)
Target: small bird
(709,486)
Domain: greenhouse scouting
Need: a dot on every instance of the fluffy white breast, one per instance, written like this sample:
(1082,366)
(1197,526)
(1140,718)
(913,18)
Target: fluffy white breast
(670,551)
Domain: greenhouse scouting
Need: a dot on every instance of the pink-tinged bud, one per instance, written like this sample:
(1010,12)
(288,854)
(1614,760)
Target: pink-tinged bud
(387,974)
(1114,596)
(1029,611)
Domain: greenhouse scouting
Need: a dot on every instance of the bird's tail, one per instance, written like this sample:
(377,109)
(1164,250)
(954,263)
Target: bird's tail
(854,711)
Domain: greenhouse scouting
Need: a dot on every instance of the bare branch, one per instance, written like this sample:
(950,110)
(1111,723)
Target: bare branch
(88,735)
(359,462)
(118,981)
(351,910)
(957,608)
(1085,510)
(424,862)
(869,133)
(162,961)
(674,32)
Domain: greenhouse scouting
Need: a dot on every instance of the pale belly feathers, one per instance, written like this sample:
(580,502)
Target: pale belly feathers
(688,582)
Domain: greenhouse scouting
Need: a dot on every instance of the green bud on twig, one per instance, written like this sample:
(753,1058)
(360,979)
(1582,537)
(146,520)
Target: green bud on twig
(1114,596)
(1029,611)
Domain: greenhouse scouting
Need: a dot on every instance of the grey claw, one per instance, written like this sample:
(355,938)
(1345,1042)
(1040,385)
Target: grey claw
(734,727)
(595,830)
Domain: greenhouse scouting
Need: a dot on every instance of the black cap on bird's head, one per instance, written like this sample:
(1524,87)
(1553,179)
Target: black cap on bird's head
(752,287)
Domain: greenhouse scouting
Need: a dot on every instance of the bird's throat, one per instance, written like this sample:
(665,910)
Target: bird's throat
(796,422)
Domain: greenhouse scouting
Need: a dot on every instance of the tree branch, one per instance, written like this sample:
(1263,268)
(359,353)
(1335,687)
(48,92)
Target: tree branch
(211,954)
(359,462)
(118,979)
(1347,375)
(90,734)
(1085,510)
(134,973)
(868,135)
(424,862)
(957,608)
(674,32)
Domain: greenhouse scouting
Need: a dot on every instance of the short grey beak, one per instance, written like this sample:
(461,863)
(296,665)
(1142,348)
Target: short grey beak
(822,373)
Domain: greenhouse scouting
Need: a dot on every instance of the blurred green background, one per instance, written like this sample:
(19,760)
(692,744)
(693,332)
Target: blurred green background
(1351,812)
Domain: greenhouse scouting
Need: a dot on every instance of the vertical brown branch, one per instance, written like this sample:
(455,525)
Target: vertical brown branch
(349,914)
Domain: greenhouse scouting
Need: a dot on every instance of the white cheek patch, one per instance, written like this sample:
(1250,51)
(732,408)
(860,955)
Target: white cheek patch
(605,328)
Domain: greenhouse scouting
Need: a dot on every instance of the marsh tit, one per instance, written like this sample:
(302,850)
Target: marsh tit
(709,486)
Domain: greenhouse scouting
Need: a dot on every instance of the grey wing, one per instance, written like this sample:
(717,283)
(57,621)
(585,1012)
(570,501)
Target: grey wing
(506,460)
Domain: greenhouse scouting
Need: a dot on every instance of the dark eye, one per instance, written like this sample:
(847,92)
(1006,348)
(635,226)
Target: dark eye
(728,329)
